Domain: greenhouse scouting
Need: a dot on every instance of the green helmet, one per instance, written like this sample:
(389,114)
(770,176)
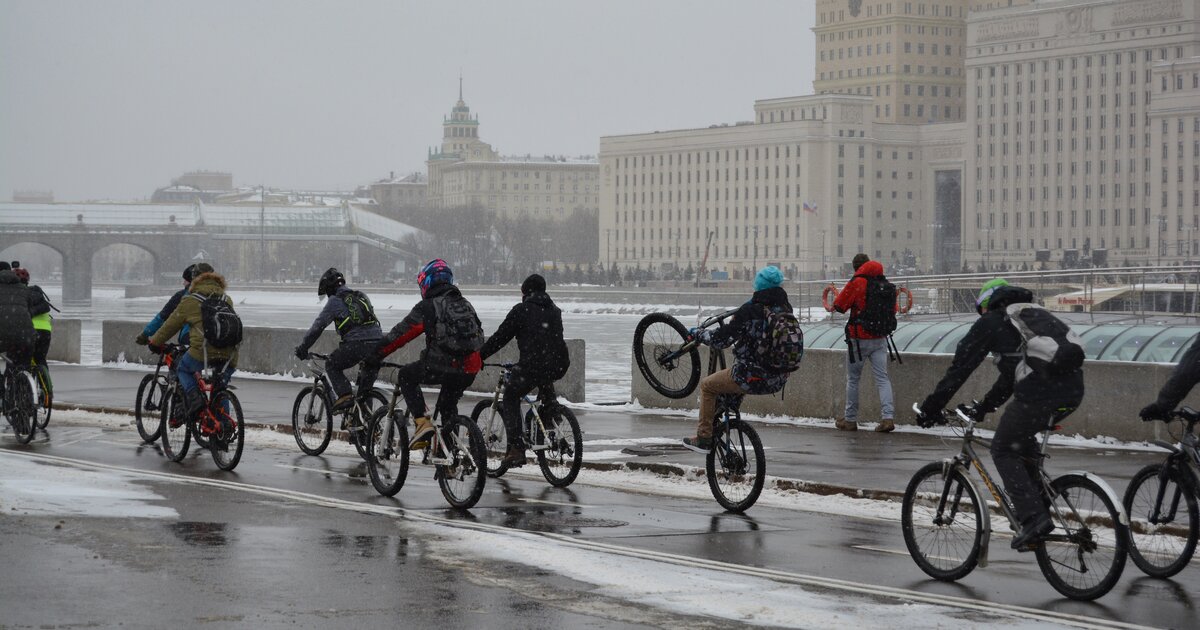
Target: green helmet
(985,293)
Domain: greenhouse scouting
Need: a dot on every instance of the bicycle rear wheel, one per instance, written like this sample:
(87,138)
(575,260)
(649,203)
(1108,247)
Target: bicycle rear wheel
(148,407)
(1085,554)
(22,413)
(563,456)
(365,408)
(736,465)
(176,433)
(462,479)
(1163,523)
(656,343)
(942,518)
(226,444)
(45,395)
(312,421)
(495,437)
(387,452)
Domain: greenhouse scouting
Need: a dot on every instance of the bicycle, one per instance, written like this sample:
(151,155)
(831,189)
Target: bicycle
(19,405)
(669,357)
(312,413)
(219,426)
(151,391)
(552,430)
(1161,501)
(45,394)
(1082,558)
(736,465)
(456,450)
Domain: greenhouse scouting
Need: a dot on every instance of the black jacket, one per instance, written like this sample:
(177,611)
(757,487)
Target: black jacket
(741,330)
(1185,376)
(537,325)
(422,319)
(16,313)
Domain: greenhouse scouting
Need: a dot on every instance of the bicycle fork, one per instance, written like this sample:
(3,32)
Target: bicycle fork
(948,466)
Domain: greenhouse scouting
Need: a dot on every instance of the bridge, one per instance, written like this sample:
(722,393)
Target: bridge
(243,241)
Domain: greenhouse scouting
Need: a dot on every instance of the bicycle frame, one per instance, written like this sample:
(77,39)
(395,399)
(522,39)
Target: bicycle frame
(441,456)
(687,347)
(1185,456)
(534,407)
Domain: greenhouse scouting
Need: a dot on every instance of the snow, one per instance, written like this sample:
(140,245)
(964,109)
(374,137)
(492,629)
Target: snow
(32,488)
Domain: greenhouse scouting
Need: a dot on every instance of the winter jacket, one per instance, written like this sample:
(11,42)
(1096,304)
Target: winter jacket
(743,331)
(16,315)
(993,333)
(40,308)
(337,313)
(1183,378)
(853,298)
(188,313)
(423,319)
(163,314)
(537,324)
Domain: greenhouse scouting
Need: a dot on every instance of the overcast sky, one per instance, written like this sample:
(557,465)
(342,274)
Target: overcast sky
(109,100)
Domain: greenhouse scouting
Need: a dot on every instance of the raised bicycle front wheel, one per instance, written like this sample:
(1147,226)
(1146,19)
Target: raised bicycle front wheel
(562,458)
(1085,554)
(736,466)
(1163,523)
(226,445)
(312,420)
(656,344)
(495,436)
(176,434)
(147,409)
(463,478)
(942,519)
(387,451)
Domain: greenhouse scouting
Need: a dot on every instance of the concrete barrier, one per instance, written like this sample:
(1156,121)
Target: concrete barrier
(1116,390)
(269,351)
(65,342)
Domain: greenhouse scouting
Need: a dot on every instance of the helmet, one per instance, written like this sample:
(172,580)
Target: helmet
(194,270)
(434,272)
(22,274)
(985,293)
(330,281)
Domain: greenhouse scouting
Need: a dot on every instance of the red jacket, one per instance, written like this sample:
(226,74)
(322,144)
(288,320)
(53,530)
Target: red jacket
(853,297)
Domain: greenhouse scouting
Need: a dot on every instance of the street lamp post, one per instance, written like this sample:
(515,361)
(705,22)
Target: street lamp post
(262,232)
(823,274)
(755,265)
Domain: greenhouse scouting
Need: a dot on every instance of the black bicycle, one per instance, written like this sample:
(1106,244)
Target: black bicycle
(19,405)
(668,357)
(1161,501)
(312,412)
(147,408)
(736,465)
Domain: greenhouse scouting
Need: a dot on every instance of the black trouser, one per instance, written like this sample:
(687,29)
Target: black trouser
(411,377)
(346,356)
(41,347)
(521,381)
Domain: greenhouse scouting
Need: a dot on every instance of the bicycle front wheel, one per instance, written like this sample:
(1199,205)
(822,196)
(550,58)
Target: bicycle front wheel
(462,479)
(1163,523)
(942,518)
(387,452)
(312,420)
(736,465)
(562,456)
(176,434)
(22,415)
(1084,556)
(147,408)
(226,444)
(657,341)
(495,438)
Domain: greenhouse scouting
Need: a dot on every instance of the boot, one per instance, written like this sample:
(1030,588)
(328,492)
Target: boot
(343,403)
(843,424)
(885,426)
(421,433)
(514,457)
(1031,533)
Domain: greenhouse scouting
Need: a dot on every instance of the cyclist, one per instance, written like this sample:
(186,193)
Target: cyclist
(1036,396)
(537,325)
(199,354)
(39,307)
(453,336)
(1183,378)
(152,327)
(16,320)
(354,319)
(748,374)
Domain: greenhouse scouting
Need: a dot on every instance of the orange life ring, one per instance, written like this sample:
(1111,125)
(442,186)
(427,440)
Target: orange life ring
(904,307)
(826,301)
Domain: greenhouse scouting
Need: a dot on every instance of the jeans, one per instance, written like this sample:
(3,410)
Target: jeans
(875,352)
(186,370)
(347,355)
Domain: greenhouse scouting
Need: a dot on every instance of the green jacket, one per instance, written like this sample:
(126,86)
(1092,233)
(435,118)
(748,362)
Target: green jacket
(188,312)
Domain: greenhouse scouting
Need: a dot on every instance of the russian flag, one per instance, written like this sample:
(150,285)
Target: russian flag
(810,207)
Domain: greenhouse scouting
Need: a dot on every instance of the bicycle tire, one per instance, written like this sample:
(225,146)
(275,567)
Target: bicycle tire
(358,438)
(227,458)
(655,336)
(45,398)
(175,439)
(387,452)
(1162,549)
(462,481)
(728,483)
(1085,513)
(495,437)
(558,470)
(143,408)
(23,413)
(920,508)
(315,423)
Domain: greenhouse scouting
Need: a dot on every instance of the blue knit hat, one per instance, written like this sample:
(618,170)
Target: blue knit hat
(768,277)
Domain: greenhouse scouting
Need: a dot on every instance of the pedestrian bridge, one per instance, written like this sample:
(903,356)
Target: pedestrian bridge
(176,234)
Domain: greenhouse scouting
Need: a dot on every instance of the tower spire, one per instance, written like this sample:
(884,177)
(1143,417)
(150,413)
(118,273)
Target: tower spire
(460,84)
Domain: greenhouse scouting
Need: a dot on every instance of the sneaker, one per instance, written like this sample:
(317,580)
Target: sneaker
(885,426)
(343,404)
(515,457)
(421,433)
(698,444)
(1030,535)
(843,424)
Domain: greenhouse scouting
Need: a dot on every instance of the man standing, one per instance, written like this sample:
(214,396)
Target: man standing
(867,338)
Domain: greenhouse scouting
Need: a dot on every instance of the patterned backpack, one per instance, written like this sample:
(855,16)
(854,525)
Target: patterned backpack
(780,345)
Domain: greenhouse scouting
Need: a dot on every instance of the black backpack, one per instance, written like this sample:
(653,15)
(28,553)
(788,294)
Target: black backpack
(456,331)
(222,325)
(362,313)
(878,316)
(39,303)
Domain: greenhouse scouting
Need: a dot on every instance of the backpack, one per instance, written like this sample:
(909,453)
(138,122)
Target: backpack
(878,316)
(40,302)
(456,331)
(222,325)
(362,313)
(780,344)
(1050,347)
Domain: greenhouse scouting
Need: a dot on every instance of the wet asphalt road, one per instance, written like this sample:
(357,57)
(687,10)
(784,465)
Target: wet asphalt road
(291,564)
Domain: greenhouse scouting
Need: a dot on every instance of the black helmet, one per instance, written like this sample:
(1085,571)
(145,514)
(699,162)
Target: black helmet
(192,271)
(330,281)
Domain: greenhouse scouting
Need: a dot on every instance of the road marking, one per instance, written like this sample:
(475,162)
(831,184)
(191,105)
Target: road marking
(562,503)
(860,588)
(895,552)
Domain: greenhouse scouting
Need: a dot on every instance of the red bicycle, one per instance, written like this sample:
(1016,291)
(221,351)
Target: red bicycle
(219,426)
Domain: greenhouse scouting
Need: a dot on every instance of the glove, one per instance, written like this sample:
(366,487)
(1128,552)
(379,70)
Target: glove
(1153,412)
(301,353)
(155,348)
(927,418)
(975,410)
(694,333)
(142,340)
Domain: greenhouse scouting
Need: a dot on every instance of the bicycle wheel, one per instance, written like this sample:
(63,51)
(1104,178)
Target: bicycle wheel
(176,432)
(45,396)
(495,437)
(1163,523)
(373,400)
(1085,554)
(387,452)
(942,518)
(655,340)
(147,408)
(736,465)
(462,479)
(563,456)
(226,444)
(22,413)
(312,421)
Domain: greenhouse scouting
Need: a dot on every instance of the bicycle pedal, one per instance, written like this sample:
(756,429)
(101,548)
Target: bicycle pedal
(539,447)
